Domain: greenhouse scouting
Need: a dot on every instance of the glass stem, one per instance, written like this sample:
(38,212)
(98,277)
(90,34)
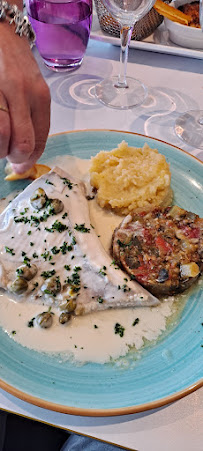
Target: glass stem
(125,34)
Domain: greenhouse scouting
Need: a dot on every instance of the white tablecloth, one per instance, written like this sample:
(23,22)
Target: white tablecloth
(175,85)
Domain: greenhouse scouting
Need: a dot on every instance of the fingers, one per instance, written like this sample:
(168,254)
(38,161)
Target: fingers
(41,120)
(4,127)
(40,114)
(22,142)
(27,97)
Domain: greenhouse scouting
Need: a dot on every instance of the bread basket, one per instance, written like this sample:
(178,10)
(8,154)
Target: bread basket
(142,29)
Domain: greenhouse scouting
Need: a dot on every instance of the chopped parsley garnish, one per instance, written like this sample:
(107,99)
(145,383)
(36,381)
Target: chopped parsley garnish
(125,288)
(64,248)
(36,284)
(26,260)
(118,329)
(64,215)
(73,241)
(46,256)
(19,271)
(48,182)
(113,263)
(81,228)
(102,271)
(95,326)
(54,250)
(24,219)
(74,280)
(100,300)
(25,211)
(77,268)
(9,250)
(67,182)
(31,244)
(47,274)
(31,322)
(35,255)
(135,322)
(13,332)
(67,267)
(58,226)
(33,219)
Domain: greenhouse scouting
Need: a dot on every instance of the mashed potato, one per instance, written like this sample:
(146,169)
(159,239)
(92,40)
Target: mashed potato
(130,178)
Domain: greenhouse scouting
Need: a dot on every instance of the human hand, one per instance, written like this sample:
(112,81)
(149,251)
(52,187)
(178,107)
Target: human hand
(25,102)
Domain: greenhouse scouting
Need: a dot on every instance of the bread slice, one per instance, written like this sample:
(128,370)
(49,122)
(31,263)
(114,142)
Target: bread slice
(36,171)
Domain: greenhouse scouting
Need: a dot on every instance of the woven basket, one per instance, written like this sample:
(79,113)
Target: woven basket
(142,29)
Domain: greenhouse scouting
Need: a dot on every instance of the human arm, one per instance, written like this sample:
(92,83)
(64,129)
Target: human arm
(23,91)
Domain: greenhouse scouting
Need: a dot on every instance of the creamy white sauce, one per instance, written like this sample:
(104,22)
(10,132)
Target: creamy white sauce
(91,337)
(80,337)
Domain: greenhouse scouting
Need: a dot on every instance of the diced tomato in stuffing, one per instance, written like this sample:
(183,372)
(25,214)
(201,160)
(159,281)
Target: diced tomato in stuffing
(143,274)
(191,232)
(142,213)
(147,236)
(163,245)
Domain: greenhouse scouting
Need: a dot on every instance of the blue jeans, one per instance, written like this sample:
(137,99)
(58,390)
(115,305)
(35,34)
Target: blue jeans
(80,443)
(73,443)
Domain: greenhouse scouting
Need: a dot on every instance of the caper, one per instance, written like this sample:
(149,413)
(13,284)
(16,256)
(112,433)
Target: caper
(38,199)
(56,206)
(44,320)
(18,286)
(64,317)
(27,272)
(69,305)
(52,286)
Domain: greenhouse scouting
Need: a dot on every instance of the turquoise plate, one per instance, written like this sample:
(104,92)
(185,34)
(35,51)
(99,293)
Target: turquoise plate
(166,371)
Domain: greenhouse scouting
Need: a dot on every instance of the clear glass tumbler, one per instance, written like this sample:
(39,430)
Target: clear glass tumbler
(62,30)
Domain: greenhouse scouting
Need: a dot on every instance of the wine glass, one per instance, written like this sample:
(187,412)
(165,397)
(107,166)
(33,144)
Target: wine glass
(189,126)
(121,92)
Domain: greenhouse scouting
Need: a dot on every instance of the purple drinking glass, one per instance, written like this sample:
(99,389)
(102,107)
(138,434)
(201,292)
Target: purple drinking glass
(62,30)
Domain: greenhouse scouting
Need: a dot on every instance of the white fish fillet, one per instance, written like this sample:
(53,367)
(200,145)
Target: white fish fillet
(102,284)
